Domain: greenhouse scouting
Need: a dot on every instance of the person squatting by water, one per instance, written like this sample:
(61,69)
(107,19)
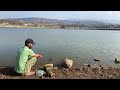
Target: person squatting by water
(26,58)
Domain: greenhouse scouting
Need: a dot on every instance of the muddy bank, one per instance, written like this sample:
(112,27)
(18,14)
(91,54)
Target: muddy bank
(85,72)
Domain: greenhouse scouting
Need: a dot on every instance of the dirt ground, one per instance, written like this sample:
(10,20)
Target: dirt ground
(86,72)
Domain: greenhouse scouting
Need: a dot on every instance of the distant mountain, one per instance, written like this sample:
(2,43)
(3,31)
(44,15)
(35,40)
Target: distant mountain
(104,21)
(113,21)
(89,22)
(55,23)
(68,21)
(92,21)
(33,19)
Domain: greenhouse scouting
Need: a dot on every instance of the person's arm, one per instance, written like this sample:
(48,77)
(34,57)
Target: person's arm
(32,54)
(37,55)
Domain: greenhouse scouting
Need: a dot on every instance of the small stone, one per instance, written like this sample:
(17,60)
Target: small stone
(83,68)
(55,68)
(101,66)
(110,76)
(87,65)
(93,66)
(77,69)
(105,67)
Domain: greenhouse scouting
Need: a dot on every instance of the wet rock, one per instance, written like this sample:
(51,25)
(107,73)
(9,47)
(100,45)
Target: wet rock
(117,60)
(97,60)
(67,63)
(87,65)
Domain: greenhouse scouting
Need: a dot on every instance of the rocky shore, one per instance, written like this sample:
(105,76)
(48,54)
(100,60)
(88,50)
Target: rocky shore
(85,72)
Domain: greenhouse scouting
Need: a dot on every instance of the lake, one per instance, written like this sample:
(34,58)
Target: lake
(57,44)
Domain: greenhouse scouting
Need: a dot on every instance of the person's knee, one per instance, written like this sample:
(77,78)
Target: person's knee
(32,61)
(34,58)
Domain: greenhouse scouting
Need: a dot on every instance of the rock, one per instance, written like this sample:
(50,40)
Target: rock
(83,69)
(67,63)
(78,69)
(55,68)
(40,73)
(92,66)
(95,66)
(104,67)
(67,69)
(110,76)
(96,60)
(87,65)
(101,66)
(51,73)
(49,69)
(117,60)
(49,65)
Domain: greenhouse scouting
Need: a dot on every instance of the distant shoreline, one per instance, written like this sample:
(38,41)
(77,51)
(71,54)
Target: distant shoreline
(66,28)
(32,27)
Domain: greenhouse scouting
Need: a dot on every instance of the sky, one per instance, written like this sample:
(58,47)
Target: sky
(103,15)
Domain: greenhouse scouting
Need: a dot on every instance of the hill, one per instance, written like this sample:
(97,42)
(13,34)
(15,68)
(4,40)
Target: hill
(55,23)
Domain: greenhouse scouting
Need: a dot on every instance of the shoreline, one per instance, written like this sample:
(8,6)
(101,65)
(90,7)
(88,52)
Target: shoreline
(66,28)
(82,72)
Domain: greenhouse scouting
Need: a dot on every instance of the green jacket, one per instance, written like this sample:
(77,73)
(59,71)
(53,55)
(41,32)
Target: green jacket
(23,56)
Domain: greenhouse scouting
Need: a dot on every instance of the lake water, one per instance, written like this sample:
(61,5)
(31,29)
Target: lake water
(56,44)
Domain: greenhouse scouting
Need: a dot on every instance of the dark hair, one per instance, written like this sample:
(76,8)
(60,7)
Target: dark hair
(27,44)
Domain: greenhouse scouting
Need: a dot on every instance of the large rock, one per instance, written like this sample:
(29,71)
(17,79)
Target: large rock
(117,60)
(49,69)
(49,65)
(67,63)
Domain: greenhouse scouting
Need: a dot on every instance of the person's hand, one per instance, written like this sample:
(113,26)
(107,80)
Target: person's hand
(38,55)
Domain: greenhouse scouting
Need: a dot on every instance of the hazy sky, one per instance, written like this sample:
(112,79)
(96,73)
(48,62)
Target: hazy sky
(106,15)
